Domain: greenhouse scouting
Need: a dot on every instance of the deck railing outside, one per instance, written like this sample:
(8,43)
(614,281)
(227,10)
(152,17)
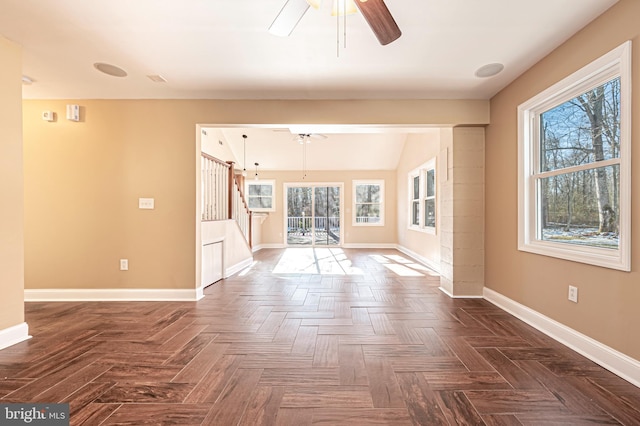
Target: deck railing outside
(367,219)
(303,223)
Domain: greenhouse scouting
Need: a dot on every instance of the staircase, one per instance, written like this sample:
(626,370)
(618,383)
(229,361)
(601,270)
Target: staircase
(223,194)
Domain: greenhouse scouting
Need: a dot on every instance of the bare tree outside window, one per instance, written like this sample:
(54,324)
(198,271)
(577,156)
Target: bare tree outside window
(579,182)
(368,203)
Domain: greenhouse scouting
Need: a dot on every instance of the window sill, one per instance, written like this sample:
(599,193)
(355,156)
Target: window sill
(427,230)
(605,258)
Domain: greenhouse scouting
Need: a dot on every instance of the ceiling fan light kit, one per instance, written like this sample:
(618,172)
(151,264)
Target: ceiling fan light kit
(288,17)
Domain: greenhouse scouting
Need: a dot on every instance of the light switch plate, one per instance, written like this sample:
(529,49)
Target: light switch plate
(73,112)
(146,203)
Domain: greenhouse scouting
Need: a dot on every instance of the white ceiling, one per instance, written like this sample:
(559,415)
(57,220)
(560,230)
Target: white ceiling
(222,49)
(354,148)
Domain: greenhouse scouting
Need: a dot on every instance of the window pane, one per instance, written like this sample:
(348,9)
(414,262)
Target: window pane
(327,201)
(415,213)
(431,179)
(299,201)
(416,187)
(254,202)
(581,207)
(430,213)
(582,130)
(260,202)
(368,193)
(260,189)
(367,213)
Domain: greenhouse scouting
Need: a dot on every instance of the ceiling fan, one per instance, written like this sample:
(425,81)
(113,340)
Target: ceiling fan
(306,137)
(302,136)
(375,12)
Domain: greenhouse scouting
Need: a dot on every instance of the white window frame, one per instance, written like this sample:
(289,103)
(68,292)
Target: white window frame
(616,63)
(262,182)
(426,196)
(369,182)
(421,173)
(415,174)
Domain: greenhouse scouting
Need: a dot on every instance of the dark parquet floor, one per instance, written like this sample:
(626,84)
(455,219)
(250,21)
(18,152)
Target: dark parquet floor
(337,337)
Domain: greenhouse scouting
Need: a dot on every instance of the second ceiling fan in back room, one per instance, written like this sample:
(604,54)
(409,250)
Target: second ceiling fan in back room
(375,12)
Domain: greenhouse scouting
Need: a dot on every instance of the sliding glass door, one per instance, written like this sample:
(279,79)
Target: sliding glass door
(313,214)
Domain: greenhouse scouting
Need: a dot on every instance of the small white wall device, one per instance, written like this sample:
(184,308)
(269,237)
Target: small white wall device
(48,115)
(73,112)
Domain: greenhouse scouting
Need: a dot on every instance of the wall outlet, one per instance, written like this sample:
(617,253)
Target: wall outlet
(146,203)
(573,294)
(124,264)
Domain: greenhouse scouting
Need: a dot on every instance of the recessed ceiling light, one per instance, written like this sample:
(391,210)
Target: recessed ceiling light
(27,80)
(157,78)
(110,69)
(489,70)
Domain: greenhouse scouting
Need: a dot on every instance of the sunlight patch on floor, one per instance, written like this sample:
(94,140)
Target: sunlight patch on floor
(402,270)
(402,266)
(325,261)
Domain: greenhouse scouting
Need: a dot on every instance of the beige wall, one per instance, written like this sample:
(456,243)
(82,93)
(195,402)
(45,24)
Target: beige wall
(83,180)
(82,184)
(213,142)
(418,149)
(273,226)
(11,187)
(608,300)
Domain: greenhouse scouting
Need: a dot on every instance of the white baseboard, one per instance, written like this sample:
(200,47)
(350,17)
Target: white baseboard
(448,293)
(238,267)
(369,246)
(614,361)
(199,293)
(347,246)
(13,335)
(426,262)
(111,295)
(272,246)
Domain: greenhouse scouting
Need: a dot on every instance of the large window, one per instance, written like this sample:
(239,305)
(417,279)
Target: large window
(574,174)
(368,199)
(260,195)
(422,197)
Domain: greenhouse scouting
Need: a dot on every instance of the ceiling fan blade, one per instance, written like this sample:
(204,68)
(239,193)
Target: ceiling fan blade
(379,18)
(306,137)
(289,16)
(317,136)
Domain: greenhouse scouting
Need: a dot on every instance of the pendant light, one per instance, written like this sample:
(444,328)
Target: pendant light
(244,150)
